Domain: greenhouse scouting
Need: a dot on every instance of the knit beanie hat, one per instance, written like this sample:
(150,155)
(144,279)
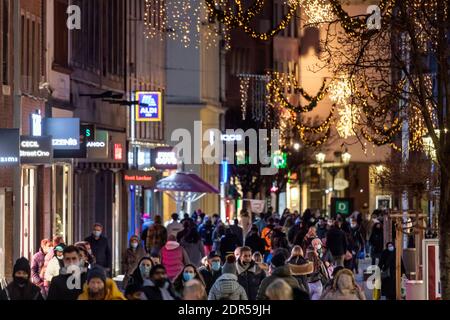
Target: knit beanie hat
(22,264)
(97,272)
(230,265)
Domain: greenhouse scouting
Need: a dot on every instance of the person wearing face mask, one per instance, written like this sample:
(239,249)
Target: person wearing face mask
(356,244)
(37,263)
(68,284)
(158,287)
(250,275)
(132,255)
(55,264)
(319,277)
(21,287)
(141,273)
(212,271)
(388,273)
(188,273)
(48,257)
(100,247)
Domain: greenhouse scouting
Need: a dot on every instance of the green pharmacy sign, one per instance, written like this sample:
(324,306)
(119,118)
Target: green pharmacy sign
(279,160)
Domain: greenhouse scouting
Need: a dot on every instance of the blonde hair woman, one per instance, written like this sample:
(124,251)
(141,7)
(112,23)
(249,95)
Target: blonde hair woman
(344,287)
(279,290)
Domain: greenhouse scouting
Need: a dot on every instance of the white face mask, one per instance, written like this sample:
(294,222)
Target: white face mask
(134,245)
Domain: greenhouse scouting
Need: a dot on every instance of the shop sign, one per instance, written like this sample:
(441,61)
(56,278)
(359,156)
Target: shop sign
(9,147)
(341,206)
(341,184)
(98,147)
(140,178)
(165,158)
(36,150)
(36,124)
(117,146)
(150,106)
(65,133)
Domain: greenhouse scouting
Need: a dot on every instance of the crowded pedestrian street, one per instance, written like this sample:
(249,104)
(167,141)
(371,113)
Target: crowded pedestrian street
(232,152)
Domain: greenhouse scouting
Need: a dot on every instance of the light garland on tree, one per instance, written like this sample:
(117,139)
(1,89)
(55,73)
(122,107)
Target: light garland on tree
(341,89)
(241,18)
(349,116)
(244,86)
(317,11)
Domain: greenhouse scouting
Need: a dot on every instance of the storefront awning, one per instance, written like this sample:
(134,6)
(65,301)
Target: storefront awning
(185,182)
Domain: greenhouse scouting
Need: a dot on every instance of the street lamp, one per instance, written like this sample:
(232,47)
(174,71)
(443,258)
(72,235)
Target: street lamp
(320,157)
(346,156)
(296,146)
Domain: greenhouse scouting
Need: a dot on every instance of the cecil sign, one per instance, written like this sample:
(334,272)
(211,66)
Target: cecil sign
(150,106)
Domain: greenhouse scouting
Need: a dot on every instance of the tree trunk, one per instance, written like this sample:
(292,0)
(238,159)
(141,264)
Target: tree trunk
(444,235)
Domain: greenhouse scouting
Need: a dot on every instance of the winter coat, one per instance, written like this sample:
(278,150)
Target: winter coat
(13,292)
(174,227)
(112,291)
(336,242)
(388,274)
(173,258)
(376,240)
(246,223)
(283,273)
(250,277)
(195,251)
(228,243)
(209,276)
(59,291)
(130,260)
(300,269)
(238,232)
(227,287)
(356,242)
(101,251)
(53,269)
(255,243)
(156,236)
(37,263)
(292,233)
(152,292)
(206,233)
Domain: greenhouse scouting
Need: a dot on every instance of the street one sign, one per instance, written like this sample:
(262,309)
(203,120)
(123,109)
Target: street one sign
(36,150)
(342,206)
(9,147)
(150,106)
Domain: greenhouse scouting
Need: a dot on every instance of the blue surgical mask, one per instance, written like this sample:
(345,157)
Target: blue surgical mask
(391,248)
(97,233)
(215,266)
(188,276)
(145,271)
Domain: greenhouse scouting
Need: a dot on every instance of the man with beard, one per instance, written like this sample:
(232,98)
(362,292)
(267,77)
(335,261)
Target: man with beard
(69,284)
(99,287)
(21,288)
(158,287)
(249,273)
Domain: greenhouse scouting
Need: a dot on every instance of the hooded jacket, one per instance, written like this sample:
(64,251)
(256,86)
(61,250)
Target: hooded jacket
(27,291)
(283,273)
(132,256)
(112,291)
(173,258)
(250,278)
(37,263)
(136,277)
(227,287)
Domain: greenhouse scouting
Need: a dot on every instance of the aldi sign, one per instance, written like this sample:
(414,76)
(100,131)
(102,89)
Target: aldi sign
(150,106)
